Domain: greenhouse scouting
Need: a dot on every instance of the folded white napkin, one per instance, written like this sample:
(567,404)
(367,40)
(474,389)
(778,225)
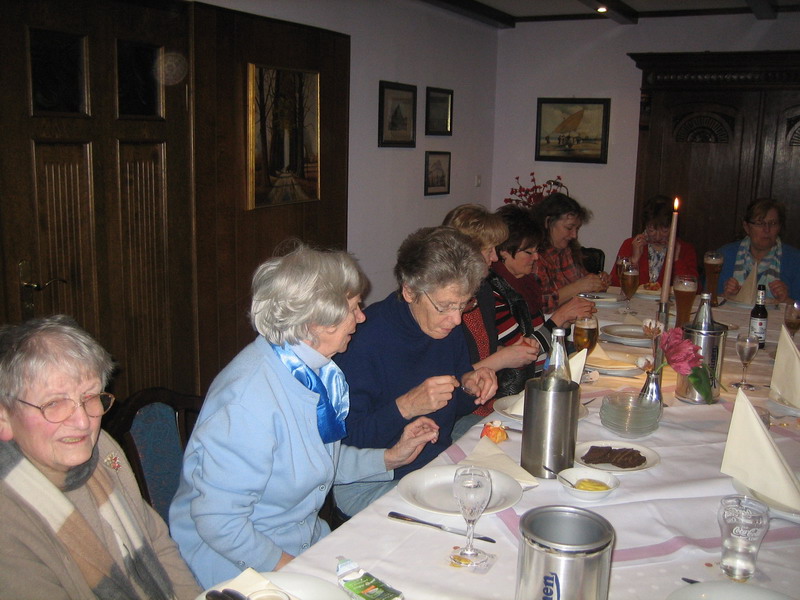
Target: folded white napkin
(786,372)
(752,457)
(600,358)
(489,455)
(747,293)
(251,581)
(576,363)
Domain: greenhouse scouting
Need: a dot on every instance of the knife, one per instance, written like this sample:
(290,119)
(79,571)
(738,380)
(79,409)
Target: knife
(401,517)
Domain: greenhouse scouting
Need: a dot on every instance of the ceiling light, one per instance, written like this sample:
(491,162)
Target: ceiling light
(602,9)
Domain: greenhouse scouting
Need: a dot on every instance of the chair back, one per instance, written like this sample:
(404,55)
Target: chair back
(153,428)
(594,259)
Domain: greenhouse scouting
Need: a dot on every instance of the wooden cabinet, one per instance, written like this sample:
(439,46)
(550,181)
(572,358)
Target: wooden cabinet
(718,130)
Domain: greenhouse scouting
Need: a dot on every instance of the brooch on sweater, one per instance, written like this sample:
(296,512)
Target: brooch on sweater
(112,460)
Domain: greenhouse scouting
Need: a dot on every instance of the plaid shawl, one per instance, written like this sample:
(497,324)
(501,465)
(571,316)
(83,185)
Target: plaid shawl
(131,570)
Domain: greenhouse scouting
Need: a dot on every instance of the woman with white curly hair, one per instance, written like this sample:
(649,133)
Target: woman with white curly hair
(267,448)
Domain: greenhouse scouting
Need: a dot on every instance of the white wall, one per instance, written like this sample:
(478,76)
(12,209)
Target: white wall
(496,75)
(413,43)
(590,59)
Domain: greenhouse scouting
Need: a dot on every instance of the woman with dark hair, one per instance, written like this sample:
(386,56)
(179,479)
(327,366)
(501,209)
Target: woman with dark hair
(560,269)
(777,264)
(518,298)
(410,357)
(648,249)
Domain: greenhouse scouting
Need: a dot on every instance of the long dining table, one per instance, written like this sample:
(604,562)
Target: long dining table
(664,516)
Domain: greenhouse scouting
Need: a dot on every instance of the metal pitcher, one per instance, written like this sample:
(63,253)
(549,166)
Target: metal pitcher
(549,426)
(712,349)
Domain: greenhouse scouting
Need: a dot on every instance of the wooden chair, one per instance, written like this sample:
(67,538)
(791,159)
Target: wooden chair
(153,426)
(594,259)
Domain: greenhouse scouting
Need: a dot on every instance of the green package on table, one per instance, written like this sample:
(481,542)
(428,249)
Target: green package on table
(360,584)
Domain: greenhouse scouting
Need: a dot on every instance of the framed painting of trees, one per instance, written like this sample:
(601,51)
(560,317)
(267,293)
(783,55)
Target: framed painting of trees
(283,136)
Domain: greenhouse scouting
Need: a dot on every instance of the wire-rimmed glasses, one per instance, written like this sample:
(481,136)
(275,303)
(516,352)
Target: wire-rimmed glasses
(61,409)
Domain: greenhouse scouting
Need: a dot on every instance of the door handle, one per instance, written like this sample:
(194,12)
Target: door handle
(27,287)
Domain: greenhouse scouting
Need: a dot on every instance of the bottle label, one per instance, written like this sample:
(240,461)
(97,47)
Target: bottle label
(758,328)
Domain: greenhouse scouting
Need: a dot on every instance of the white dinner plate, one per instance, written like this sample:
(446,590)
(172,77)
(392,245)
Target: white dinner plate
(431,488)
(776,509)
(503,406)
(305,587)
(651,456)
(769,303)
(724,590)
(782,404)
(624,333)
(626,366)
(643,293)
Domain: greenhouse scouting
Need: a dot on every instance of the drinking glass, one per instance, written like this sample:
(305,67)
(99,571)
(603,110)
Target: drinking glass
(585,332)
(712,263)
(791,317)
(629,283)
(472,488)
(685,289)
(746,348)
(620,265)
(743,523)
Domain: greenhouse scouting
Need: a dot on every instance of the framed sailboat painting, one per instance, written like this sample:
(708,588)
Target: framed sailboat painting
(572,129)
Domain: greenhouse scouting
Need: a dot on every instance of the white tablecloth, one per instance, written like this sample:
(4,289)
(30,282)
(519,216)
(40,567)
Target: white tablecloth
(664,517)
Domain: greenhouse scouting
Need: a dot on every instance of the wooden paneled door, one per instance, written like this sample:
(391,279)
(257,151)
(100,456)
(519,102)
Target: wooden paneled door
(95,179)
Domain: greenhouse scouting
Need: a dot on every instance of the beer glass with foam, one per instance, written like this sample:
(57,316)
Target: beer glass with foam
(712,263)
(685,289)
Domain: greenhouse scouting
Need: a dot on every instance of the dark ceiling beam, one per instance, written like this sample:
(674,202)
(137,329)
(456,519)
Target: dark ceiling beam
(478,11)
(618,11)
(762,9)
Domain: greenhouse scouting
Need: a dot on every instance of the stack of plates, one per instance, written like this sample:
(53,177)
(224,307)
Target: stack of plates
(623,414)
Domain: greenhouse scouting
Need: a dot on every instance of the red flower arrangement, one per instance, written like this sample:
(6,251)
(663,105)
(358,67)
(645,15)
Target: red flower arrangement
(528,197)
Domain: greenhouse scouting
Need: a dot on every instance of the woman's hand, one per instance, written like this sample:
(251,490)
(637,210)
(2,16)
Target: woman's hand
(572,310)
(415,435)
(284,560)
(731,287)
(638,244)
(519,354)
(481,383)
(594,282)
(780,291)
(429,396)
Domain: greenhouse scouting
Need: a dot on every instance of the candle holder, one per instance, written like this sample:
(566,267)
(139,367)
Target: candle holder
(662,316)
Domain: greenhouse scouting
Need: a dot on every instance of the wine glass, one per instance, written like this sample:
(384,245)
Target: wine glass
(746,348)
(472,488)
(620,264)
(791,317)
(585,332)
(629,283)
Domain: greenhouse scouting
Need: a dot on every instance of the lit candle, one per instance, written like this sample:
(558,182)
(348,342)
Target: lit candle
(667,281)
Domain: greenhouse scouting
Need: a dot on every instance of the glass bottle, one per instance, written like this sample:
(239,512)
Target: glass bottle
(758,317)
(557,376)
(703,319)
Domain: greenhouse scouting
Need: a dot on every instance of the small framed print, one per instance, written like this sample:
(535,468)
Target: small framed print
(397,115)
(438,111)
(572,129)
(437,173)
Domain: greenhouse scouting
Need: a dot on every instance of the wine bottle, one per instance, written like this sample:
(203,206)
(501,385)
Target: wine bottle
(557,376)
(758,317)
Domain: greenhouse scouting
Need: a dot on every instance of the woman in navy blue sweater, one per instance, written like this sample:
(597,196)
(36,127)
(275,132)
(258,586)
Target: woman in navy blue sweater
(410,358)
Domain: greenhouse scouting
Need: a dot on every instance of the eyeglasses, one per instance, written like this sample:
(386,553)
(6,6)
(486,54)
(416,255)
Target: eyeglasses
(765,224)
(469,305)
(61,409)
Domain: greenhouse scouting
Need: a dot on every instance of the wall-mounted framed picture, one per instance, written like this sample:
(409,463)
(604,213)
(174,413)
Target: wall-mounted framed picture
(437,173)
(438,111)
(282,136)
(572,129)
(397,115)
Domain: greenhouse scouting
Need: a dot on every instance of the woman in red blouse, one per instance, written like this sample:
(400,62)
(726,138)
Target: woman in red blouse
(649,248)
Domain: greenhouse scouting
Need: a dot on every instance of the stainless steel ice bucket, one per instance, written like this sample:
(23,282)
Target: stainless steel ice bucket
(712,349)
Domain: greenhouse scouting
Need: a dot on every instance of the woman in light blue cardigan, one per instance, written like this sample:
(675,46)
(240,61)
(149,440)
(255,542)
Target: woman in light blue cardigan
(266,447)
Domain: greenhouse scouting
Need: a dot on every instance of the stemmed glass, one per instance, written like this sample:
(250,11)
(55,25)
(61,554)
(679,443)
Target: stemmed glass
(791,317)
(746,348)
(472,488)
(629,283)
